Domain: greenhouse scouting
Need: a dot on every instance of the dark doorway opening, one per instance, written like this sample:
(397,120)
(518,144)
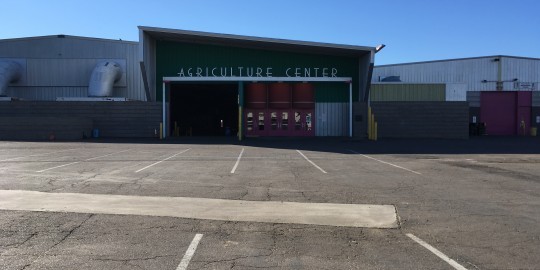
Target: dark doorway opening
(204,109)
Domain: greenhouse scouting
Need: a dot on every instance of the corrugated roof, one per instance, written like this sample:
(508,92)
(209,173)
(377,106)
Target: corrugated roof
(254,42)
(459,59)
(69,37)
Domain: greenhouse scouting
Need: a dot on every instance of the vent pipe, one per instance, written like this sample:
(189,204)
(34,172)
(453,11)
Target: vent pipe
(103,77)
(10,72)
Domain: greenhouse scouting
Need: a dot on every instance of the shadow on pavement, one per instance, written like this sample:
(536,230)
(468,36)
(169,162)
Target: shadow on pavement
(474,145)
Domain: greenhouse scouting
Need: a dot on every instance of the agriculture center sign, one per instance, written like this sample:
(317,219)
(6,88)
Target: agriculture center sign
(257,72)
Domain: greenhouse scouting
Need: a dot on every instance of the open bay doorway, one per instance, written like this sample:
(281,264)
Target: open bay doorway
(204,109)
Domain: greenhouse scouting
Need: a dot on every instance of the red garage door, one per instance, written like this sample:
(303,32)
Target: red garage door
(503,112)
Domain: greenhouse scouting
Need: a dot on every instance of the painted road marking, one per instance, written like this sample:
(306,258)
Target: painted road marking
(155,163)
(189,252)
(64,165)
(237,161)
(328,214)
(436,252)
(312,163)
(43,154)
(387,163)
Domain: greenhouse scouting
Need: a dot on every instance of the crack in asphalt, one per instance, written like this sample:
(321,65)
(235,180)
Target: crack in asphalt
(70,232)
(21,243)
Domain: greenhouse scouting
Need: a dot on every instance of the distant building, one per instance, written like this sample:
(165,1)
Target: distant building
(502,91)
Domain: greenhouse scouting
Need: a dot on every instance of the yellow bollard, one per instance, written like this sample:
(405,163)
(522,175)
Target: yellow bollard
(372,126)
(240,123)
(375,132)
(161,131)
(369,123)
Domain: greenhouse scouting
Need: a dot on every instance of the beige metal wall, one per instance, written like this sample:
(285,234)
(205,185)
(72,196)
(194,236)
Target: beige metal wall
(60,66)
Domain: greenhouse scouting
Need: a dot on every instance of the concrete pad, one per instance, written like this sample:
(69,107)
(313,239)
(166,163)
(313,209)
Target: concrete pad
(347,215)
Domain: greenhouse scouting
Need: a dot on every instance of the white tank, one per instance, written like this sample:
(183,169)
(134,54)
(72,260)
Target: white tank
(103,77)
(10,72)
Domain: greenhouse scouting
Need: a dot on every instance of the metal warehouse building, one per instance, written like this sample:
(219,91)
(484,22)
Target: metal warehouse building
(188,83)
(502,91)
(197,84)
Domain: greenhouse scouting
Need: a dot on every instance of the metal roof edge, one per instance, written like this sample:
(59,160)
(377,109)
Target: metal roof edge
(458,59)
(411,82)
(256,39)
(67,36)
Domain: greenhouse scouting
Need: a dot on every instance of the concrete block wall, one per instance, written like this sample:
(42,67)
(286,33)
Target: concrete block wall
(43,128)
(422,119)
(360,119)
(31,119)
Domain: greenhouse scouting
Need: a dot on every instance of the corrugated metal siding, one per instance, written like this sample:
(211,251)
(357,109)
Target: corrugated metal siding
(407,92)
(469,71)
(51,93)
(331,119)
(456,92)
(536,99)
(65,63)
(473,97)
(46,93)
(149,57)
(525,70)
(66,72)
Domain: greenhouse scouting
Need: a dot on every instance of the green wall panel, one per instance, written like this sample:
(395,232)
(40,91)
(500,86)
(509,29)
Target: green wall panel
(333,92)
(408,92)
(172,56)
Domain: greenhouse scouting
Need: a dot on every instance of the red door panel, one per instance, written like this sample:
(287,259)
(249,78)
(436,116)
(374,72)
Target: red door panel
(303,124)
(498,111)
(279,123)
(524,103)
(256,123)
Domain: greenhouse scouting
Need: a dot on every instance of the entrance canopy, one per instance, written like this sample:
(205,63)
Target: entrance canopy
(164,52)
(167,80)
(172,55)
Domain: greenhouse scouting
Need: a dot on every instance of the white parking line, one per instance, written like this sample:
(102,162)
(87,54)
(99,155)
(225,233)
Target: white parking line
(312,163)
(189,252)
(237,161)
(64,165)
(387,163)
(43,154)
(155,163)
(436,252)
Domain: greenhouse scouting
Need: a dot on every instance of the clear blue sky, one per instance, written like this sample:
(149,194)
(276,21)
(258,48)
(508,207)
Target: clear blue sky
(415,30)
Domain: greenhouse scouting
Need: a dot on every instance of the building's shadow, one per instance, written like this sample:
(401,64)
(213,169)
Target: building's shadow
(344,145)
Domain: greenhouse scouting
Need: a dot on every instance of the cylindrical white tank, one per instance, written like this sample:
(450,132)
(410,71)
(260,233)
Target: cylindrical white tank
(103,77)
(10,71)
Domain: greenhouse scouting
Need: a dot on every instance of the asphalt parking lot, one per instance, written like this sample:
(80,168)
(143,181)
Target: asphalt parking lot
(472,204)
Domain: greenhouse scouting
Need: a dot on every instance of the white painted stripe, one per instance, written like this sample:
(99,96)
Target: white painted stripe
(189,252)
(312,163)
(64,165)
(437,252)
(60,166)
(326,214)
(387,163)
(237,161)
(43,154)
(155,163)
